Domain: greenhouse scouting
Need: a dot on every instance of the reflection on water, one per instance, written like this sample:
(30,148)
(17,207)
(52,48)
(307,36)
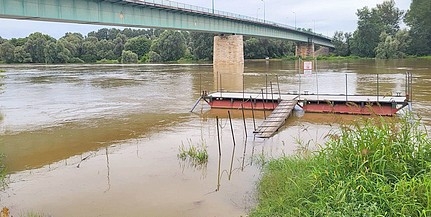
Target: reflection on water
(106,137)
(49,145)
(229,78)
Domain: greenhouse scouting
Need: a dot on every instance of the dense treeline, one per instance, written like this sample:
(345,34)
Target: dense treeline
(128,46)
(379,35)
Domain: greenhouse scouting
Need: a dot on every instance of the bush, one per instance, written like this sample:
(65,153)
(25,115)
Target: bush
(106,61)
(128,57)
(373,168)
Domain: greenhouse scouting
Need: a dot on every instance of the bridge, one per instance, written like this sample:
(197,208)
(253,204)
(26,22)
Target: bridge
(162,14)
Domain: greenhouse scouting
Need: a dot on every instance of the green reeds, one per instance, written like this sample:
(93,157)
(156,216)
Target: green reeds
(195,154)
(376,167)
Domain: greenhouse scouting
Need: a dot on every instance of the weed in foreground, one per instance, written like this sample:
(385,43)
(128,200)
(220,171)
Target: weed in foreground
(372,168)
(195,154)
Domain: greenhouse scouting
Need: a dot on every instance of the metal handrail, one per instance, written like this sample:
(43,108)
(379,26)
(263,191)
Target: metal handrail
(217,13)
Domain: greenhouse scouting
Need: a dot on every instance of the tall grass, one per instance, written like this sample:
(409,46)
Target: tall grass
(375,167)
(196,154)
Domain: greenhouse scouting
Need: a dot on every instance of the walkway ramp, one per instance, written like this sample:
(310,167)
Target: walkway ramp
(277,118)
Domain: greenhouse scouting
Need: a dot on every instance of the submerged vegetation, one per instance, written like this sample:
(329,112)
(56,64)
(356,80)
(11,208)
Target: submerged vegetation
(195,154)
(372,168)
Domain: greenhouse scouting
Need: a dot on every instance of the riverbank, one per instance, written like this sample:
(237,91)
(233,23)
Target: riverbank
(376,167)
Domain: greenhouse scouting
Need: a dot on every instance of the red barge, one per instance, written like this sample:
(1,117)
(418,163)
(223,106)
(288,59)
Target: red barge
(318,103)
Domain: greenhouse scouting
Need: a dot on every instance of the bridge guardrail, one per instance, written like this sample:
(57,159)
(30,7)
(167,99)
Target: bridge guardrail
(211,12)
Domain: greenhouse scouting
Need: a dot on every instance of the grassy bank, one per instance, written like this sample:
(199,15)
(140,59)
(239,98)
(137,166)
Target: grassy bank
(373,168)
(2,171)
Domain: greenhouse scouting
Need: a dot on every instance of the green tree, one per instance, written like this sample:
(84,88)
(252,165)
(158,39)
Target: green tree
(153,57)
(119,42)
(129,57)
(170,45)
(254,49)
(73,43)
(138,45)
(35,46)
(278,48)
(389,17)
(201,45)
(105,50)
(391,47)
(89,49)
(419,19)
(7,51)
(21,55)
(341,43)
(101,34)
(18,41)
(371,23)
(55,52)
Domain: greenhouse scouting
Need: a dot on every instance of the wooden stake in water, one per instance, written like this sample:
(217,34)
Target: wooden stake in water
(266,86)
(243,88)
(219,155)
(234,144)
(346,88)
(278,86)
(252,113)
(272,95)
(243,155)
(378,88)
(243,118)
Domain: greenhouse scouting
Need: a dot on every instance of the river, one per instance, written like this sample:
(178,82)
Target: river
(103,140)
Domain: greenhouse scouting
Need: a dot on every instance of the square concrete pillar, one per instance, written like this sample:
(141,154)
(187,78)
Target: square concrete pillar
(228,62)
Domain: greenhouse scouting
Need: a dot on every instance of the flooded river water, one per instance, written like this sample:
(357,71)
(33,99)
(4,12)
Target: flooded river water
(103,140)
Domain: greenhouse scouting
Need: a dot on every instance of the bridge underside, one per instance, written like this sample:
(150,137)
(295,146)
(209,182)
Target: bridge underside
(143,14)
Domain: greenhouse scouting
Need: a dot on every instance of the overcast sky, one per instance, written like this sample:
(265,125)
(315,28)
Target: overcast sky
(325,16)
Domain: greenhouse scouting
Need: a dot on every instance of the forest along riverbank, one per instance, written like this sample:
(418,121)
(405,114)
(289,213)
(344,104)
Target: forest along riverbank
(103,132)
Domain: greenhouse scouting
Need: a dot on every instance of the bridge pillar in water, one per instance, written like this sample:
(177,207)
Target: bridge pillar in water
(304,49)
(228,62)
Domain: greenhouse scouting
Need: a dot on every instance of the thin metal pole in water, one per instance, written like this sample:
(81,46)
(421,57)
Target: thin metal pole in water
(243,155)
(200,83)
(263,105)
(234,144)
(219,155)
(243,88)
(378,87)
(221,87)
(266,86)
(299,77)
(252,113)
(217,81)
(411,86)
(272,95)
(243,118)
(406,92)
(346,87)
(278,86)
(317,85)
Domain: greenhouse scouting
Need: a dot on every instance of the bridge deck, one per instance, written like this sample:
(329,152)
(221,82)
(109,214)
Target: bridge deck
(277,118)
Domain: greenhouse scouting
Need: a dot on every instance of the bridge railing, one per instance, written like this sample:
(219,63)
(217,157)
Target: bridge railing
(211,12)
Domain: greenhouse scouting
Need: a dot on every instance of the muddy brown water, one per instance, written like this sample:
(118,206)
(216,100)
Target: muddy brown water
(102,140)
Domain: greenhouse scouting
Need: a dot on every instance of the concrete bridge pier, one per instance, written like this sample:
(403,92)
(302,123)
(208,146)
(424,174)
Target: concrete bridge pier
(304,49)
(228,62)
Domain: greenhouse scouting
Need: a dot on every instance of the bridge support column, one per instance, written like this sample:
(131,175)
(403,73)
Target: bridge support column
(228,62)
(304,49)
